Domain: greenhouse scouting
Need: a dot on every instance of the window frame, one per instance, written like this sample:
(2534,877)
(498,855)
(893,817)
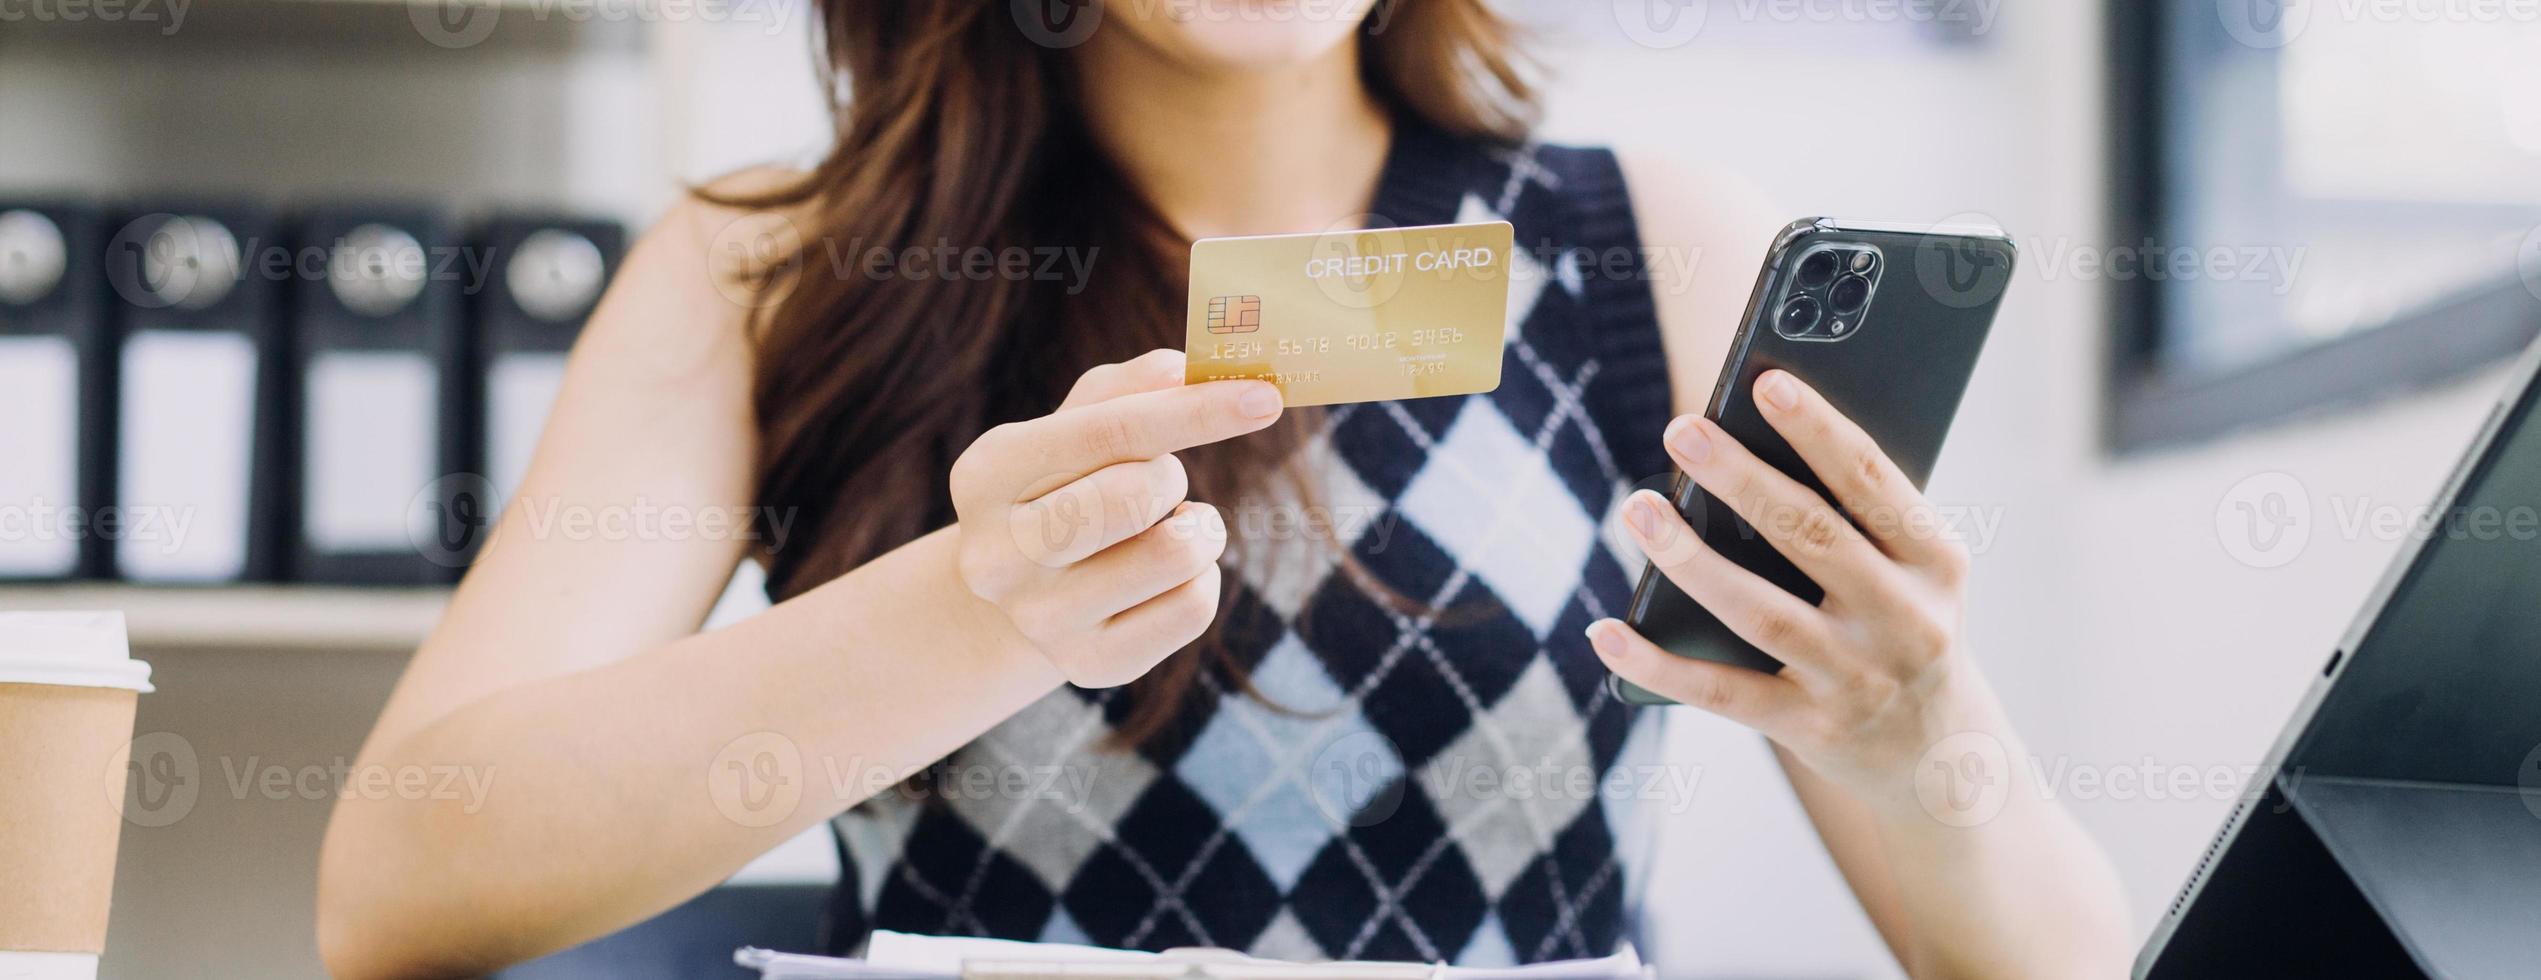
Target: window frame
(2152,405)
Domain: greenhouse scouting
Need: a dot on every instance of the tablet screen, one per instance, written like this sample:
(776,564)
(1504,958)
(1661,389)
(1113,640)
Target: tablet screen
(2446,684)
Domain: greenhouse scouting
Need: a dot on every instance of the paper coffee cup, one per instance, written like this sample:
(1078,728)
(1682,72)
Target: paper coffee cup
(68,684)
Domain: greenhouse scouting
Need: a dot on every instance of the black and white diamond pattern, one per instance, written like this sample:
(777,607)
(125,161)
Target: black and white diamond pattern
(1490,497)
(1406,786)
(1254,764)
(1284,570)
(1051,835)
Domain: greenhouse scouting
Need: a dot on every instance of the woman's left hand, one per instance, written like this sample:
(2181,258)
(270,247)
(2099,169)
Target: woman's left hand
(1875,675)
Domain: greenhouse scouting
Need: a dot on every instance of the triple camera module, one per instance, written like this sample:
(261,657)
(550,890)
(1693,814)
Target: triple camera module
(1829,292)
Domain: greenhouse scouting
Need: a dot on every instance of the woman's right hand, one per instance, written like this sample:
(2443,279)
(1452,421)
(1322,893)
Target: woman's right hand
(1075,523)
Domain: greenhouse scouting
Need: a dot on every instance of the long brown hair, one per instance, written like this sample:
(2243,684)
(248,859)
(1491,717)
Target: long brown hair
(957,131)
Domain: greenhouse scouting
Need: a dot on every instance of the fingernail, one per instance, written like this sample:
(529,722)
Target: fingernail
(1261,402)
(1644,517)
(1601,635)
(1779,390)
(1687,437)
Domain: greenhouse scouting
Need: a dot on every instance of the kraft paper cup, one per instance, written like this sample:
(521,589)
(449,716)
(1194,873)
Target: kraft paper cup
(68,685)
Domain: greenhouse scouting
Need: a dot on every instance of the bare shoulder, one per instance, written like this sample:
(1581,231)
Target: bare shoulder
(750,181)
(739,237)
(1683,196)
(683,302)
(714,237)
(1705,229)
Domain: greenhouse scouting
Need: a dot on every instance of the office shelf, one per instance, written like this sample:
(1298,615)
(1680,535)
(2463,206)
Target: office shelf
(262,617)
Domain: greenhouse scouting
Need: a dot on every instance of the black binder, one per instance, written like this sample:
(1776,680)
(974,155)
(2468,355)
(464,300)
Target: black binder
(198,300)
(377,350)
(2398,832)
(55,365)
(544,275)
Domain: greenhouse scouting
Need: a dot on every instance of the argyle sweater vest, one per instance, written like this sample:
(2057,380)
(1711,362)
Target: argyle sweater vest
(1446,778)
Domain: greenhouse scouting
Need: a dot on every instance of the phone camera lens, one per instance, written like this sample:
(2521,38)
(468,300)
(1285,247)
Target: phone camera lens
(1799,316)
(1818,268)
(1864,261)
(1849,295)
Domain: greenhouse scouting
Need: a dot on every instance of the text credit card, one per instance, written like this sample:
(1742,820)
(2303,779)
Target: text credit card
(1353,316)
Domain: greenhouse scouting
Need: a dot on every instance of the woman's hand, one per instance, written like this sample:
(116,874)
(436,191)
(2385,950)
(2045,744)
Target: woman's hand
(1874,675)
(1076,525)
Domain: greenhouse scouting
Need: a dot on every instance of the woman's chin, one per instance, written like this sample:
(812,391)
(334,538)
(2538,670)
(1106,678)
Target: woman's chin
(1240,35)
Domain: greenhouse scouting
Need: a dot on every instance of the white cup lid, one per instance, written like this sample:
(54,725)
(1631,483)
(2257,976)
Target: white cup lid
(48,966)
(72,649)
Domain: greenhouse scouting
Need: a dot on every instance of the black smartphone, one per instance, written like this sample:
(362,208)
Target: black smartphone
(1886,321)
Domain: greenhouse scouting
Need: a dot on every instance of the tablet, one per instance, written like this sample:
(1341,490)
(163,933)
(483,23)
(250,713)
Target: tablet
(2399,830)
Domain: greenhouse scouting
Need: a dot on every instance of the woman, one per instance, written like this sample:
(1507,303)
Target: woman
(928,450)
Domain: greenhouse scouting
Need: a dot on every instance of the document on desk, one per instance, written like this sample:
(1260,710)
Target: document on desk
(901,956)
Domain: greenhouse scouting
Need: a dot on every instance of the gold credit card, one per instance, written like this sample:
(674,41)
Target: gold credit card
(1353,316)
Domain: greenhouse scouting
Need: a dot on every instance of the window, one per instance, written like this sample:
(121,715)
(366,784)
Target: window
(2328,199)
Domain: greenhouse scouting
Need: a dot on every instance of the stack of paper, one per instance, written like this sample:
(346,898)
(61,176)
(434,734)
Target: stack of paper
(901,956)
